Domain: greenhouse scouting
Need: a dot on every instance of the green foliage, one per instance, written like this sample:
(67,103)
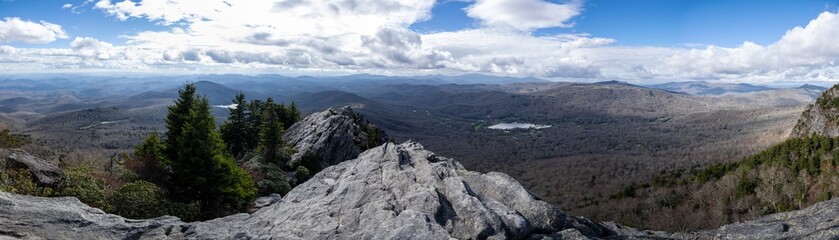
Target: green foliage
(179,114)
(827,101)
(138,200)
(302,174)
(235,130)
(372,136)
(715,171)
(148,161)
(202,170)
(745,186)
(185,211)
(292,115)
(275,181)
(77,182)
(9,140)
(271,132)
(20,181)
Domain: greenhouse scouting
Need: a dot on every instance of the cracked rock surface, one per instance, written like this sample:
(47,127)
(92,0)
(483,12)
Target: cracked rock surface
(333,136)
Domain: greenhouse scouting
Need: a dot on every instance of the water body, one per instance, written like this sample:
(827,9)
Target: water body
(231,106)
(514,125)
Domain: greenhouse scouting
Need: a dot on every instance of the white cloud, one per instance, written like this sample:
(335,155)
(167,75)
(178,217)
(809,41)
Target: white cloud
(802,53)
(67,6)
(374,36)
(524,14)
(13,29)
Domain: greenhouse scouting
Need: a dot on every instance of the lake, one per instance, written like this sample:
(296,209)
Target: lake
(514,125)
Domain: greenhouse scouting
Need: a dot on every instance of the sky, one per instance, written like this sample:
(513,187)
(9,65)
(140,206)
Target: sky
(638,41)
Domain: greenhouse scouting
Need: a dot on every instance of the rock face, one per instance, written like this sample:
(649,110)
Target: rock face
(821,118)
(389,192)
(333,136)
(44,172)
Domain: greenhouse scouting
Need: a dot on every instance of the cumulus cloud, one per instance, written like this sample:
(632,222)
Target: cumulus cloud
(13,29)
(803,52)
(375,36)
(524,14)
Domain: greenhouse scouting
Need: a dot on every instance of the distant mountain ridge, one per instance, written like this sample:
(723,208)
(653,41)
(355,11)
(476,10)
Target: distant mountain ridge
(709,88)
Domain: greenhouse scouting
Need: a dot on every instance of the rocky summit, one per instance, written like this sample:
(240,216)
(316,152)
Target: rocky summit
(821,118)
(394,191)
(333,136)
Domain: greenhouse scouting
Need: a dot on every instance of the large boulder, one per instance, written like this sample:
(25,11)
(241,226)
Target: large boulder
(333,136)
(42,171)
(820,118)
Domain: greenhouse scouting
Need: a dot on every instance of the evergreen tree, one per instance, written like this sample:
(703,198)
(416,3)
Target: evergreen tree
(254,120)
(201,168)
(270,134)
(177,118)
(234,131)
(292,115)
(148,160)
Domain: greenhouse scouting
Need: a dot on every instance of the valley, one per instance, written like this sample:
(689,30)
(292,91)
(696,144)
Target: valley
(602,137)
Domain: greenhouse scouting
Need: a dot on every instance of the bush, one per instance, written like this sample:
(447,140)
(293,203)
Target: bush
(78,183)
(20,181)
(187,212)
(302,175)
(275,181)
(138,200)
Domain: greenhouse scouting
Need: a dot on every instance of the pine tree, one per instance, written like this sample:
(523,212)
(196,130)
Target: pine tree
(201,168)
(270,134)
(292,115)
(148,161)
(234,131)
(254,120)
(178,115)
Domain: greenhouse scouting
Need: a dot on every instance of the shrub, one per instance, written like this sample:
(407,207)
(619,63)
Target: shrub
(302,174)
(20,181)
(138,200)
(185,211)
(78,183)
(275,181)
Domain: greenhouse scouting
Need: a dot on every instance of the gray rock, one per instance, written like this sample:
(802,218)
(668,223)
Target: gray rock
(821,118)
(66,218)
(389,192)
(43,172)
(262,202)
(333,136)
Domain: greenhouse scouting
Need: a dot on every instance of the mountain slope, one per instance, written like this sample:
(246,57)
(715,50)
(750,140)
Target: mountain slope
(709,88)
(820,118)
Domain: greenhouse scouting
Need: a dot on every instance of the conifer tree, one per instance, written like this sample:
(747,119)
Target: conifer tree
(270,134)
(254,119)
(234,131)
(201,168)
(178,115)
(292,115)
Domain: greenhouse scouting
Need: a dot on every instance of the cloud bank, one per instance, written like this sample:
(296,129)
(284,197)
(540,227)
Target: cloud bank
(375,36)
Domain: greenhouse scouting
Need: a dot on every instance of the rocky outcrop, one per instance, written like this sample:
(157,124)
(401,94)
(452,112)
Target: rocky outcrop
(333,136)
(395,191)
(42,171)
(390,192)
(820,118)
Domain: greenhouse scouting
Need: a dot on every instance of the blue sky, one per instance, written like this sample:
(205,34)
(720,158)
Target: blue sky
(637,41)
(665,22)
